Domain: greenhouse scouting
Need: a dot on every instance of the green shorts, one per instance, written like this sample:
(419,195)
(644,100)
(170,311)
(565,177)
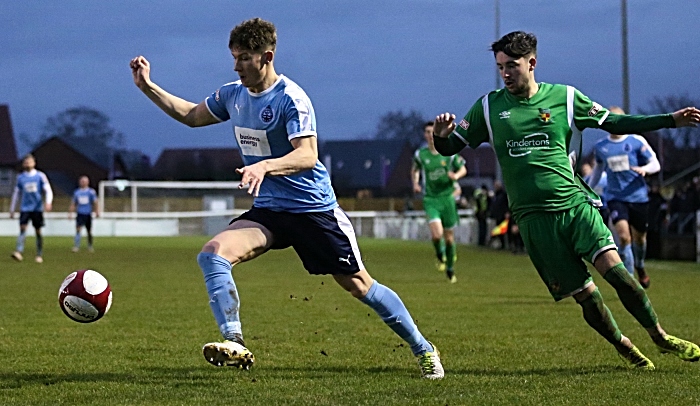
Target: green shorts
(558,241)
(442,208)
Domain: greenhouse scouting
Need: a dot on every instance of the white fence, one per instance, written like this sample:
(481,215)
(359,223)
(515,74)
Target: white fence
(373,224)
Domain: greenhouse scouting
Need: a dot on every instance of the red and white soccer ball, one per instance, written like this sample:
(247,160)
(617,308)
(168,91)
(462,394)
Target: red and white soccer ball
(85,296)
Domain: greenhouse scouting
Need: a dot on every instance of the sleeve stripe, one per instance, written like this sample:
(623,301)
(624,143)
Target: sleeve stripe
(607,113)
(487,116)
(302,134)
(460,137)
(206,103)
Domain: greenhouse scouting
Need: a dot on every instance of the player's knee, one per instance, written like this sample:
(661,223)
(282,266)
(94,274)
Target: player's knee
(217,248)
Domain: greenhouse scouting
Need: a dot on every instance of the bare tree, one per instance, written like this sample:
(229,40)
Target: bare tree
(402,126)
(79,125)
(686,137)
(676,148)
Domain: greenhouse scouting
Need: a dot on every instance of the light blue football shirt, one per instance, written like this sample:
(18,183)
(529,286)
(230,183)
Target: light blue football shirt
(31,185)
(84,200)
(599,189)
(617,157)
(263,125)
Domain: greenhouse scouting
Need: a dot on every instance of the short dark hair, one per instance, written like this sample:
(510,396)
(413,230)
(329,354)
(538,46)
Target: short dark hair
(255,35)
(428,124)
(516,44)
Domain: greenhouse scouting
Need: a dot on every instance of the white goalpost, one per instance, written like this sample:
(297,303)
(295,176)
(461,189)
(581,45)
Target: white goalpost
(121,185)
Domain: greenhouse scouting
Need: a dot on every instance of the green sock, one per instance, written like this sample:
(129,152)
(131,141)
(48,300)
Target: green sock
(439,249)
(451,254)
(632,295)
(598,316)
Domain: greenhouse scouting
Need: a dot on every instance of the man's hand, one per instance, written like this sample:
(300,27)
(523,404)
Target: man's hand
(444,125)
(252,177)
(417,188)
(687,117)
(452,175)
(12,214)
(141,70)
(48,207)
(639,170)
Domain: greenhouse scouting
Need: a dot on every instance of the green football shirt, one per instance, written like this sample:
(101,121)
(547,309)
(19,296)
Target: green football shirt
(537,142)
(434,169)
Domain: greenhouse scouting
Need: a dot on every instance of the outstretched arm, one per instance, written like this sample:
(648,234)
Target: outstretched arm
(446,143)
(629,124)
(186,112)
(302,158)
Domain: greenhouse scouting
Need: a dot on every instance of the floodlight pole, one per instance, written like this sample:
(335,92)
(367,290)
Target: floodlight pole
(625,60)
(498,35)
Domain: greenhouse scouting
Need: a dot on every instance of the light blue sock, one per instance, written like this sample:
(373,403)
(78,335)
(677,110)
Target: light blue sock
(640,252)
(391,309)
(223,295)
(20,242)
(76,240)
(627,258)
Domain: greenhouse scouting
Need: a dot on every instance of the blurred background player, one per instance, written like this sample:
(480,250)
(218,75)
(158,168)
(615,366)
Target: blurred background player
(436,175)
(275,127)
(530,125)
(84,202)
(586,171)
(625,159)
(31,190)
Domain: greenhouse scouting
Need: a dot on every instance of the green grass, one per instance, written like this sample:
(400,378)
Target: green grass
(503,340)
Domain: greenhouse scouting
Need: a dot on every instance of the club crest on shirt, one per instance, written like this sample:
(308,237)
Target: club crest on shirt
(545,115)
(595,109)
(464,124)
(627,147)
(266,115)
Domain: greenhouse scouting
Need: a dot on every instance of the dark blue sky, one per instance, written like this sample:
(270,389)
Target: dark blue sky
(356,59)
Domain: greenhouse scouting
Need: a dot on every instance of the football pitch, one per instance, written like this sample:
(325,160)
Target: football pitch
(502,338)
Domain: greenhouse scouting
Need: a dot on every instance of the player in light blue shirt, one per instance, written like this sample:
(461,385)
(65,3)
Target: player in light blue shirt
(32,187)
(274,124)
(83,203)
(626,159)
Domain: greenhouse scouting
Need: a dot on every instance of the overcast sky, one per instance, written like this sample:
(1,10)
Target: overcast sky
(355,59)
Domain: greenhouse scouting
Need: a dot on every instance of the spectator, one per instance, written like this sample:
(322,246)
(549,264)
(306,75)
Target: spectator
(499,209)
(481,211)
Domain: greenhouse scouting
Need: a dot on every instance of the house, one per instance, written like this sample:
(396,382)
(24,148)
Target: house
(8,153)
(371,167)
(198,164)
(64,162)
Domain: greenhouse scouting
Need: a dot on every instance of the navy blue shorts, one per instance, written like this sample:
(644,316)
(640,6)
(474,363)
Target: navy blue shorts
(636,214)
(37,218)
(84,220)
(325,241)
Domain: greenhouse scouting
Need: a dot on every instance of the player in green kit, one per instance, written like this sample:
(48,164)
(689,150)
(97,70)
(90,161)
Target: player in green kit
(532,128)
(439,174)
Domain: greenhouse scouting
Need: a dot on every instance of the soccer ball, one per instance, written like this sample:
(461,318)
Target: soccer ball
(85,296)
